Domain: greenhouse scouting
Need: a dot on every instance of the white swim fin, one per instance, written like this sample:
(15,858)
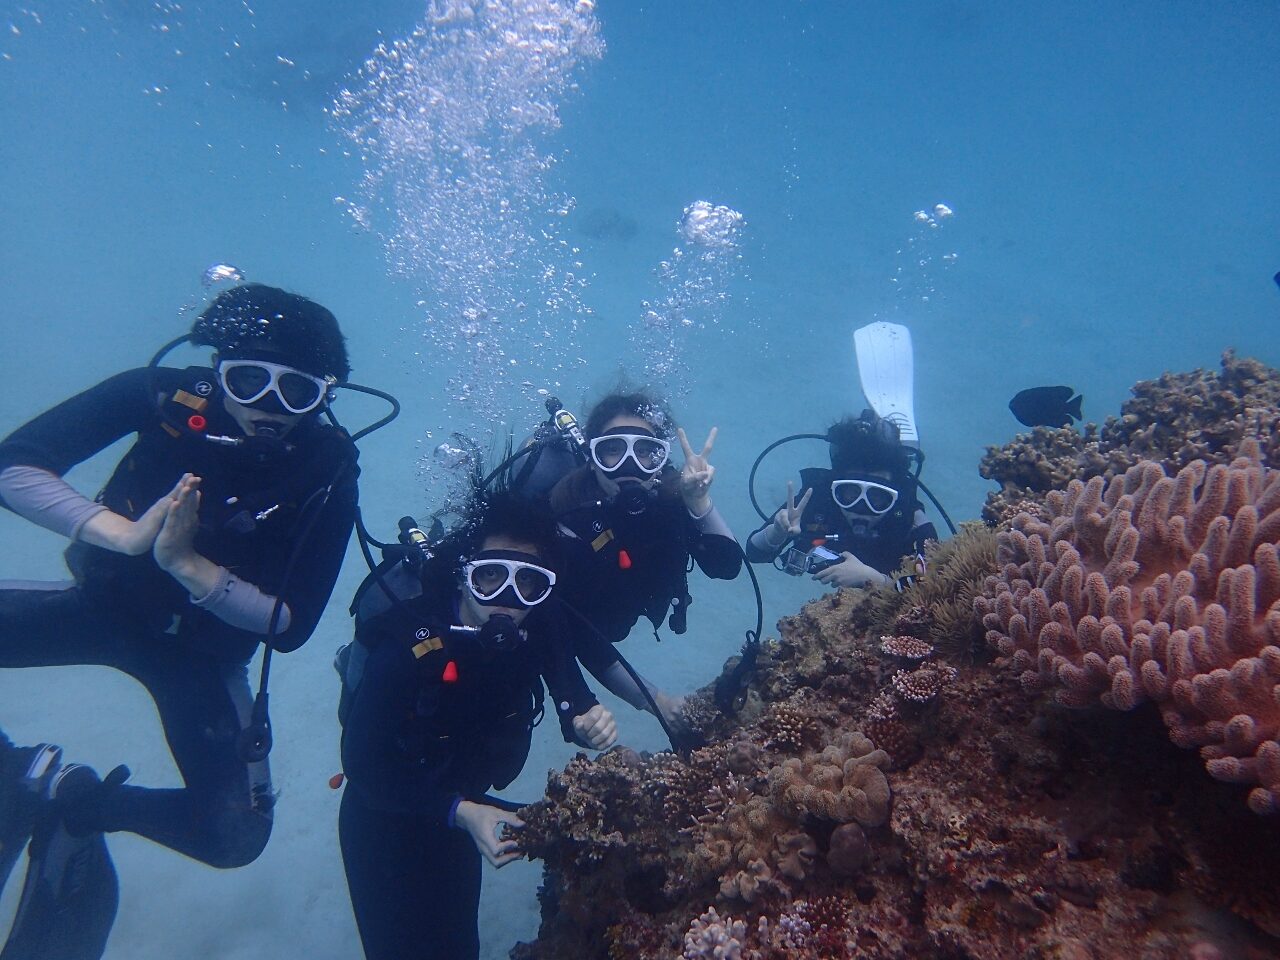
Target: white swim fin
(885,367)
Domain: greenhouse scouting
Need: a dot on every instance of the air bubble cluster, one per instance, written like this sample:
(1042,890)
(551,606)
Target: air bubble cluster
(694,287)
(451,124)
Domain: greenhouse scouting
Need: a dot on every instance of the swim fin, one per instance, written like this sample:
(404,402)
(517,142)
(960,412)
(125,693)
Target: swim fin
(886,369)
(25,773)
(69,900)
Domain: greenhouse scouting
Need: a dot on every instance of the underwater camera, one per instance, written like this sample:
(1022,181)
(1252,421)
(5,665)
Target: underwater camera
(798,562)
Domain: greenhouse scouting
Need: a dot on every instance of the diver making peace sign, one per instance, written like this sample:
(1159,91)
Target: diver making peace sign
(630,523)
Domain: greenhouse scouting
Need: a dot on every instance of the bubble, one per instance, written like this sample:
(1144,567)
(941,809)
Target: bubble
(710,226)
(694,284)
(451,124)
(941,211)
(220,273)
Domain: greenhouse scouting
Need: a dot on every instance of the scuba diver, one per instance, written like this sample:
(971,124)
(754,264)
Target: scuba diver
(441,690)
(223,528)
(855,522)
(630,522)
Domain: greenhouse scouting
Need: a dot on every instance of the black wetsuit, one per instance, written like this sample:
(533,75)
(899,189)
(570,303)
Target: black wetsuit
(882,545)
(261,514)
(620,567)
(415,744)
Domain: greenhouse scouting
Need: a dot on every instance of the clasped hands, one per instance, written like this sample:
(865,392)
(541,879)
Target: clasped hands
(167,529)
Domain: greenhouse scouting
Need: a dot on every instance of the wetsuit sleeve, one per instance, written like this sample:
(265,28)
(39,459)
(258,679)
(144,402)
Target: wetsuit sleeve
(714,549)
(89,422)
(46,500)
(760,546)
(569,691)
(319,559)
(372,755)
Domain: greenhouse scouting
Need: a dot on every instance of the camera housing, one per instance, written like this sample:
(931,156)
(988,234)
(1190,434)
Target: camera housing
(798,562)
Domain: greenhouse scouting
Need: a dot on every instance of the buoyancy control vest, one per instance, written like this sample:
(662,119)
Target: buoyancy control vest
(253,499)
(624,566)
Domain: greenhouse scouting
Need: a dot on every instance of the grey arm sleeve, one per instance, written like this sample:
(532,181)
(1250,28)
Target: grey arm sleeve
(761,543)
(242,605)
(46,500)
(712,523)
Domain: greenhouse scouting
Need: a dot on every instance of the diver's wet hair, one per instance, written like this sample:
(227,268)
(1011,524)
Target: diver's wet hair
(256,319)
(868,442)
(500,512)
(636,403)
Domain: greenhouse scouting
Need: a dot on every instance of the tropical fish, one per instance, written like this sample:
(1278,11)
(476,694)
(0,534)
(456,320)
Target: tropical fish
(1046,406)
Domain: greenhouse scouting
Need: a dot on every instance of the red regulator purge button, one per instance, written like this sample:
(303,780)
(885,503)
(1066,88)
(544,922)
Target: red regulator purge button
(450,674)
(197,422)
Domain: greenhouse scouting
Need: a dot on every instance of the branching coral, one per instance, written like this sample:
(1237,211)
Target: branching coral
(788,727)
(911,649)
(844,782)
(710,938)
(924,684)
(1161,588)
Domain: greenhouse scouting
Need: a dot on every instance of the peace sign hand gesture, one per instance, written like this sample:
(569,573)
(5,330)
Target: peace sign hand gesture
(787,519)
(696,477)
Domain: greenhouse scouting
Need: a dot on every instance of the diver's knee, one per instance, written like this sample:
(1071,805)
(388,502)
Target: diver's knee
(238,839)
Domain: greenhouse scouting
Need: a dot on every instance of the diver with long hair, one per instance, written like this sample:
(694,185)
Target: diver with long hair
(630,524)
(441,690)
(221,530)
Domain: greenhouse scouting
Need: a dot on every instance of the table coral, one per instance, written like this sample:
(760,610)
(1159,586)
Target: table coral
(1161,588)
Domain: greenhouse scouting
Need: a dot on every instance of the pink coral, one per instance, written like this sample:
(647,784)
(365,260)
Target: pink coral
(1161,588)
(924,684)
(906,648)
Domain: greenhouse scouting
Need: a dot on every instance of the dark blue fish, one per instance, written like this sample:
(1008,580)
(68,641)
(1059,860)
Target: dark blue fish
(1046,406)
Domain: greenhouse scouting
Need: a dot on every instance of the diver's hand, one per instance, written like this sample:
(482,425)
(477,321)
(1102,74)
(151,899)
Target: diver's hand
(175,543)
(483,822)
(697,474)
(850,572)
(596,728)
(786,522)
(131,537)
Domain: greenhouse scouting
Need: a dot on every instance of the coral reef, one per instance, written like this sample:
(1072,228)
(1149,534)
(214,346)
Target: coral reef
(938,608)
(1020,791)
(1160,588)
(1173,420)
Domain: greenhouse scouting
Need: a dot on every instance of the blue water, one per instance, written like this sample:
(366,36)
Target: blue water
(1117,214)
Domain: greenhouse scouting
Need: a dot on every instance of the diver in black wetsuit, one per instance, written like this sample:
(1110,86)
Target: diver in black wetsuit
(223,527)
(862,514)
(630,523)
(441,692)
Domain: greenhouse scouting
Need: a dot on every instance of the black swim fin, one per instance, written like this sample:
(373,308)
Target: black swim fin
(25,773)
(71,893)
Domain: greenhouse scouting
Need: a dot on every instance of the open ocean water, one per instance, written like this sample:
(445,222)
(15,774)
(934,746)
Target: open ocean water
(1111,170)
